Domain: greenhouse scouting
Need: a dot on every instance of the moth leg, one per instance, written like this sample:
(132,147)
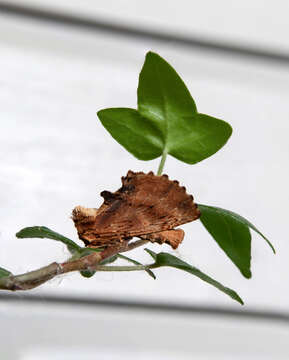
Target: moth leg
(172,237)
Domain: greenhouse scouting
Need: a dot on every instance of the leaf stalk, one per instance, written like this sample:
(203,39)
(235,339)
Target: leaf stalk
(162,163)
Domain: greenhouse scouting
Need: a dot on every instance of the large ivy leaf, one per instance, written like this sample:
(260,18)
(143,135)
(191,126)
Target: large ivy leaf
(165,259)
(198,137)
(44,232)
(138,135)
(231,232)
(164,99)
(162,95)
(167,120)
(4,272)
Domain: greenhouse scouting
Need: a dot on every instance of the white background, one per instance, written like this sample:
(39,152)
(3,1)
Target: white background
(73,332)
(55,154)
(258,23)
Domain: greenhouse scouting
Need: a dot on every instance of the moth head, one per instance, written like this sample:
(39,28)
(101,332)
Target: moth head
(83,214)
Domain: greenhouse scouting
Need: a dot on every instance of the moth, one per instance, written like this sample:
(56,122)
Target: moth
(147,206)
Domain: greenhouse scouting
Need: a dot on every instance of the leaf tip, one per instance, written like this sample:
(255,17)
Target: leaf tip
(99,114)
(152,274)
(235,296)
(240,301)
(151,53)
(247,274)
(271,246)
(151,253)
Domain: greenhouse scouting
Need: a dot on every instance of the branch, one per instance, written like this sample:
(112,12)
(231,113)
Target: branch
(91,262)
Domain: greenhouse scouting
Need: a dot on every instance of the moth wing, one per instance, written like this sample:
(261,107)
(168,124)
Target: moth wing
(171,237)
(145,204)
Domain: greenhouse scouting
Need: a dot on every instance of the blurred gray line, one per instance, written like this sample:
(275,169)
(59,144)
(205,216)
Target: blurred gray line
(97,25)
(148,306)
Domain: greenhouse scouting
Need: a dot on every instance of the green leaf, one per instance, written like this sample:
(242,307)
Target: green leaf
(4,272)
(164,99)
(43,232)
(165,259)
(120,256)
(162,95)
(87,273)
(133,132)
(198,137)
(167,120)
(152,253)
(231,231)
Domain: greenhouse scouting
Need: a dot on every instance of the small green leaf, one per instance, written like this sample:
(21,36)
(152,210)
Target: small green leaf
(87,273)
(167,121)
(152,253)
(4,272)
(43,232)
(133,132)
(136,263)
(231,231)
(165,259)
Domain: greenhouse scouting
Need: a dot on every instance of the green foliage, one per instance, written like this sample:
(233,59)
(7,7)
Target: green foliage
(167,121)
(4,272)
(76,250)
(232,236)
(133,131)
(165,259)
(44,232)
(87,273)
(232,232)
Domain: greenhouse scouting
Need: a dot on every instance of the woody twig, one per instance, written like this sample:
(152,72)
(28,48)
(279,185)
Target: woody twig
(33,279)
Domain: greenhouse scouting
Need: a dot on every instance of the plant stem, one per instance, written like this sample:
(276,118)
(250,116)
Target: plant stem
(162,163)
(37,277)
(30,279)
(124,268)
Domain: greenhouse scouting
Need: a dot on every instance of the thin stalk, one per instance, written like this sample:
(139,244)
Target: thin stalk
(162,163)
(123,268)
(32,279)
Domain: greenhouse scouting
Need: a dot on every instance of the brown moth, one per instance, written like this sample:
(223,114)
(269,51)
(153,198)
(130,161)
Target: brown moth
(146,206)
